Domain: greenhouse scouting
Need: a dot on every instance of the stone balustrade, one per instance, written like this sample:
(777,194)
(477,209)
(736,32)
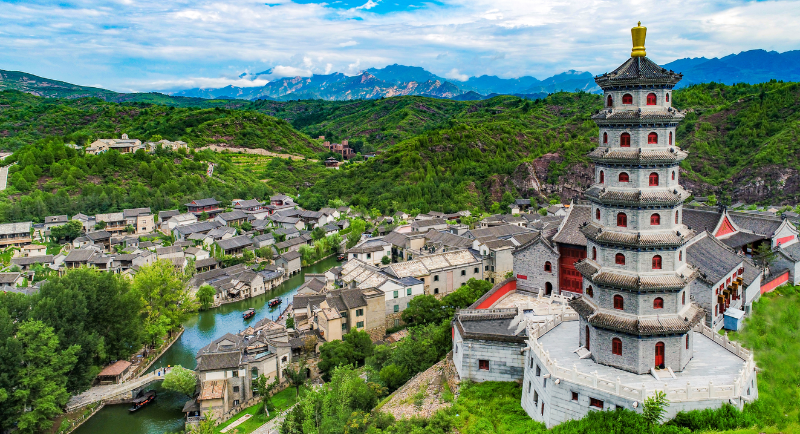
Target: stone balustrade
(723,341)
(689,392)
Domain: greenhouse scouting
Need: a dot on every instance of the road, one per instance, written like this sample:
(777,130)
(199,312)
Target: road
(4,176)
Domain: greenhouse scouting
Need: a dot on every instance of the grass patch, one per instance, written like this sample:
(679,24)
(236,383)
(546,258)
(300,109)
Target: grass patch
(282,400)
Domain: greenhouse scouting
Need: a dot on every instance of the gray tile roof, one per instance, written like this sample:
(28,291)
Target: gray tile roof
(9,278)
(701,220)
(80,255)
(740,239)
(762,225)
(638,70)
(235,242)
(233,215)
(570,232)
(203,202)
(197,227)
(135,212)
(712,258)
(30,260)
(207,262)
(289,256)
(15,228)
(218,361)
(447,239)
(498,231)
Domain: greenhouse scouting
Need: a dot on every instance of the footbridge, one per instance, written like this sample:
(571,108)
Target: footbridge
(115,393)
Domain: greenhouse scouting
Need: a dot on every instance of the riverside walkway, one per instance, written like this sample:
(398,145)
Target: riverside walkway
(114,392)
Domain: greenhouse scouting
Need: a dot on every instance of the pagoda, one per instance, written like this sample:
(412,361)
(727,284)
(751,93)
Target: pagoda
(636,312)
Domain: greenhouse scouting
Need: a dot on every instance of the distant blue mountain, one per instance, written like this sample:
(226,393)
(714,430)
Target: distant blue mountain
(754,66)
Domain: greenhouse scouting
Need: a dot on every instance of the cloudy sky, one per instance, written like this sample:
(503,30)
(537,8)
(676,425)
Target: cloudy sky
(142,45)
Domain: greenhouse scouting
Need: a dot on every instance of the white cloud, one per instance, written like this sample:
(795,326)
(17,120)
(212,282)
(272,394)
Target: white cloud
(198,82)
(455,75)
(144,44)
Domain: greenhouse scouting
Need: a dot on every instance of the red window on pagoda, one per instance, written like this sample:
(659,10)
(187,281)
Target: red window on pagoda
(590,291)
(670,138)
(619,303)
(616,346)
(680,258)
(623,177)
(676,217)
(627,99)
(619,259)
(548,267)
(683,297)
(594,255)
(625,140)
(609,101)
(605,138)
(656,262)
(652,139)
(652,99)
(655,220)
(602,177)
(658,303)
(654,179)
(622,220)
(597,214)
(667,97)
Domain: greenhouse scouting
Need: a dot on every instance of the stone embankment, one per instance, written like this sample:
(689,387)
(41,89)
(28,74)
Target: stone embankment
(253,151)
(422,396)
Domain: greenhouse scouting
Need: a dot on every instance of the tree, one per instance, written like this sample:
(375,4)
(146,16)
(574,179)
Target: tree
(68,231)
(711,200)
(763,255)
(180,380)
(357,227)
(333,354)
(296,377)
(208,425)
(290,322)
(385,260)
(310,344)
(393,376)
(100,226)
(424,309)
(163,292)
(42,381)
(360,343)
(318,233)
(205,296)
(654,408)
(265,388)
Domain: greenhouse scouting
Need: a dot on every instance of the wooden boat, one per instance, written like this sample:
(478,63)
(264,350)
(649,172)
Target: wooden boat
(249,313)
(143,400)
(341,257)
(275,302)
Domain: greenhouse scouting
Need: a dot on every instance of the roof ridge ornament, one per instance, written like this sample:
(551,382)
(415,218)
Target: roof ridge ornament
(638,35)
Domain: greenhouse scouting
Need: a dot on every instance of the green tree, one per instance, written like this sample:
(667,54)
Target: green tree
(290,322)
(333,354)
(654,408)
(424,309)
(393,377)
(41,390)
(180,380)
(205,296)
(360,344)
(763,255)
(385,260)
(357,227)
(711,200)
(164,295)
(68,231)
(265,389)
(100,226)
(297,377)
(318,233)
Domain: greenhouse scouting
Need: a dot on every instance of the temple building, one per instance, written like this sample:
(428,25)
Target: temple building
(636,327)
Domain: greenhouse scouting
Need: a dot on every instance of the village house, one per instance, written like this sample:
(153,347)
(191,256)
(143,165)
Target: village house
(441,273)
(342,149)
(166,215)
(289,261)
(261,241)
(87,221)
(235,246)
(536,262)
(34,250)
(370,251)
(288,222)
(25,263)
(233,218)
(169,252)
(112,222)
(183,232)
(10,280)
(333,213)
(428,224)
(123,145)
(335,313)
(15,234)
(208,206)
(55,220)
(141,219)
(281,201)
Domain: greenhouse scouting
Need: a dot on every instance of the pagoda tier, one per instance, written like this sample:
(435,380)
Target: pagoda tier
(638,72)
(610,236)
(614,279)
(637,156)
(639,326)
(637,198)
(643,116)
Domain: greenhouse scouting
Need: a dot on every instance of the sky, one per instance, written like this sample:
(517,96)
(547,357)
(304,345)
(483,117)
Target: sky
(164,45)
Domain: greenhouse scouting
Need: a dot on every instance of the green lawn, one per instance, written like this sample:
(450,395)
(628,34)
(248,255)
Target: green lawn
(282,401)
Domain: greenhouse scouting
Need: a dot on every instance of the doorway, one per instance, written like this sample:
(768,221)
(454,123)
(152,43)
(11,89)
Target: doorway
(548,288)
(587,339)
(660,355)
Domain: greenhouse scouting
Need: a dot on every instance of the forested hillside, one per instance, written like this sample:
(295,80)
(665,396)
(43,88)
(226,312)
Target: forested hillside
(25,119)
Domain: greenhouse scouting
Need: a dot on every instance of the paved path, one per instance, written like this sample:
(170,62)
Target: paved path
(4,176)
(254,151)
(272,426)
(99,393)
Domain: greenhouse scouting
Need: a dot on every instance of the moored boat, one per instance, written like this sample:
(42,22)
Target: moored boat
(143,400)
(275,302)
(249,313)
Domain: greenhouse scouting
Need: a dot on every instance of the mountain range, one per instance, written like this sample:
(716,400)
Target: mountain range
(754,66)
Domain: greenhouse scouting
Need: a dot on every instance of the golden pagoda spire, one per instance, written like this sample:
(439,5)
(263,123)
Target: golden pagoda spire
(638,34)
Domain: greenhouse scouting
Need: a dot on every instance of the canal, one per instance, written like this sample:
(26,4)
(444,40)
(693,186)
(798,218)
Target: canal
(164,416)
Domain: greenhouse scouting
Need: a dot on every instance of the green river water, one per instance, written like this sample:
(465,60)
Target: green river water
(165,414)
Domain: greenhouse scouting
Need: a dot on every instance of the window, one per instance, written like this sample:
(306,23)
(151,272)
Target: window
(605,138)
(673,175)
(594,253)
(529,386)
(235,402)
(624,177)
(535,397)
(622,220)
(396,294)
(667,97)
(597,214)
(235,389)
(475,270)
(683,298)
(538,371)
(408,291)
(359,312)
(619,259)
(654,179)
(235,374)
(616,346)
(254,372)
(651,99)
(548,267)
(486,268)
(619,303)
(652,139)
(655,220)
(602,177)
(574,396)
(369,255)
(590,291)
(544,383)
(483,365)
(657,262)
(360,325)
(435,290)
(463,272)
(609,101)
(531,363)
(595,403)
(658,303)
(625,140)
(436,278)
(627,99)
(676,217)
(687,341)
(670,138)
(397,308)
